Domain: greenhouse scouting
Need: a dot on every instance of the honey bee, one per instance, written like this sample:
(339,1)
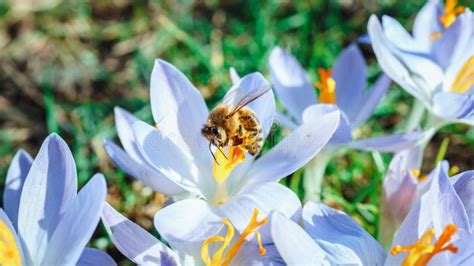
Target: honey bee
(237,125)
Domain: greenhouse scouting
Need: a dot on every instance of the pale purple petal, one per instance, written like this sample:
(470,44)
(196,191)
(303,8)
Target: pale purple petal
(371,100)
(464,185)
(134,242)
(234,76)
(295,246)
(454,106)
(124,123)
(265,198)
(163,154)
(455,42)
(186,221)
(48,191)
(141,171)
(284,120)
(350,75)
(427,22)
(295,150)
(77,224)
(179,110)
(249,255)
(92,256)
(390,143)
(291,84)
(315,112)
(16,175)
(391,65)
(397,35)
(343,240)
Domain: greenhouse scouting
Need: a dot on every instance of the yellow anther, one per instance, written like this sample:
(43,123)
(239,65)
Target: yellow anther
(9,252)
(326,86)
(451,11)
(417,173)
(423,250)
(222,259)
(453,170)
(465,78)
(224,164)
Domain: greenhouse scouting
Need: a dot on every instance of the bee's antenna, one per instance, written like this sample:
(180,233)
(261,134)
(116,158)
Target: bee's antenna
(219,148)
(213,156)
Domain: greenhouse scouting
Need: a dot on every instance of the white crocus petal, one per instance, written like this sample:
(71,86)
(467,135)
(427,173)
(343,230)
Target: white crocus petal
(93,256)
(265,198)
(391,65)
(294,151)
(4,218)
(234,76)
(263,106)
(350,75)
(190,220)
(163,154)
(426,23)
(455,44)
(342,135)
(390,143)
(344,241)
(17,172)
(179,110)
(291,84)
(124,123)
(77,224)
(464,185)
(250,255)
(397,34)
(146,174)
(294,245)
(135,242)
(49,189)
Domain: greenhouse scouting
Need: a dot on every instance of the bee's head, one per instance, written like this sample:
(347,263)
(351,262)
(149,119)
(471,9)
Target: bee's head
(216,135)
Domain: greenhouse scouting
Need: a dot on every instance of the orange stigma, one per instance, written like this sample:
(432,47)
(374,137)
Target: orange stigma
(223,259)
(326,86)
(423,250)
(451,12)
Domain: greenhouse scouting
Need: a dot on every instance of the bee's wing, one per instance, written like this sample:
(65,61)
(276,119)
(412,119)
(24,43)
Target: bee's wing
(243,100)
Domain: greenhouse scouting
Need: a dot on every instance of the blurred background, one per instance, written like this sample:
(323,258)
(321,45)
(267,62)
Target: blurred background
(64,65)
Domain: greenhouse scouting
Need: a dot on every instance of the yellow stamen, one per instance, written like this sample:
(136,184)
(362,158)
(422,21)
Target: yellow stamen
(223,166)
(222,259)
(416,173)
(9,252)
(453,170)
(423,250)
(450,12)
(465,78)
(326,86)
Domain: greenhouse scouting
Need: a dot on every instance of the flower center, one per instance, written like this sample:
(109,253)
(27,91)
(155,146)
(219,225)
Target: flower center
(451,11)
(220,258)
(9,252)
(224,164)
(465,78)
(423,250)
(326,86)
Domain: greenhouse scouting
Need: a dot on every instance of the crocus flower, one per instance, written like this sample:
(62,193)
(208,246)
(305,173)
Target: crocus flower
(437,230)
(144,249)
(436,63)
(46,222)
(230,185)
(343,88)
